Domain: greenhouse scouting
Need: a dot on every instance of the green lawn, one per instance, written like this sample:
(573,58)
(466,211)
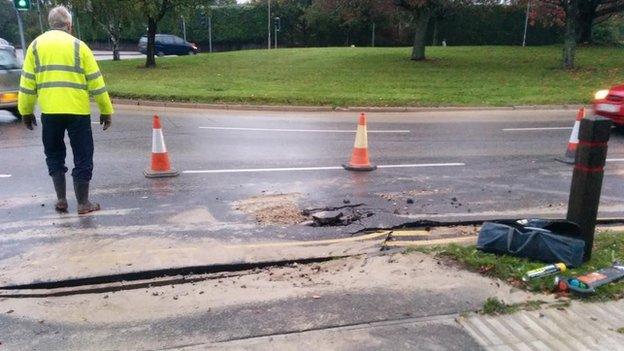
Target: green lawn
(467,76)
(608,247)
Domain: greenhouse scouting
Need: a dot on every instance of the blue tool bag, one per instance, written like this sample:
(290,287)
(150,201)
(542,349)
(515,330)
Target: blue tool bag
(536,239)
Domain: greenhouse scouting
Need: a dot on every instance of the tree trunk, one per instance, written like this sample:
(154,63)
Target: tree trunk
(585,24)
(116,56)
(114,36)
(150,62)
(421,20)
(569,44)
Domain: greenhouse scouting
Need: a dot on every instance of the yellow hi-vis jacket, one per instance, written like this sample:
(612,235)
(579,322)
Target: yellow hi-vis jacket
(61,72)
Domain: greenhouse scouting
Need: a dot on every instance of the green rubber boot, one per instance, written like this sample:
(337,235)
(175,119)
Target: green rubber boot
(82,196)
(61,188)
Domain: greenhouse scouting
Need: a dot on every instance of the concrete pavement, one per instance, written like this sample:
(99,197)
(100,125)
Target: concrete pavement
(383,302)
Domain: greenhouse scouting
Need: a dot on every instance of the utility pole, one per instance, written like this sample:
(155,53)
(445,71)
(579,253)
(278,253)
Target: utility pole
(269,23)
(210,33)
(183,28)
(75,14)
(21,31)
(526,22)
(373,40)
(40,21)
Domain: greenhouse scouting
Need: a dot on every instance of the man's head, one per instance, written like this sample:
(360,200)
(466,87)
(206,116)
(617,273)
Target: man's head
(59,18)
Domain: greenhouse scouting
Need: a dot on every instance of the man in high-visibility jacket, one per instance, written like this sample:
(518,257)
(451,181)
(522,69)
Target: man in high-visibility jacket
(60,72)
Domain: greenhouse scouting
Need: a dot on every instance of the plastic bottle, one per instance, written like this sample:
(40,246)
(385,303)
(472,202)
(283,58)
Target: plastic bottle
(545,271)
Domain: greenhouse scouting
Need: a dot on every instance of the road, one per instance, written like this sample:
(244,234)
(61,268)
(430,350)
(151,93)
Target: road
(245,178)
(247,175)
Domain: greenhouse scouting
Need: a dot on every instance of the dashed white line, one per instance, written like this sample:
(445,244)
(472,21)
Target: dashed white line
(5,176)
(615,160)
(424,165)
(404,131)
(536,128)
(297,169)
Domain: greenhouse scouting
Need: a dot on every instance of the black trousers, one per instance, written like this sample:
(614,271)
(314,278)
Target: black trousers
(80,137)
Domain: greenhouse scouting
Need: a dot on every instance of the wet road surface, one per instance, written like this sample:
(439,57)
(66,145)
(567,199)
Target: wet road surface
(246,175)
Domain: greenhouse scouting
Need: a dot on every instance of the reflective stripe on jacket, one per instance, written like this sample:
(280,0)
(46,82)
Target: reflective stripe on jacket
(60,72)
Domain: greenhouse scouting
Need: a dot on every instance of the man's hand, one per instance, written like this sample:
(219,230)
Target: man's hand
(29,121)
(105,120)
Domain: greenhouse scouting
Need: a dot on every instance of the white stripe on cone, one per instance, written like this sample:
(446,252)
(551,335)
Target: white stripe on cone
(361,140)
(158,142)
(574,137)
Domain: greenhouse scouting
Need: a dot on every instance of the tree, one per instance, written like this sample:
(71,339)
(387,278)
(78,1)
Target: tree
(561,12)
(577,17)
(422,12)
(591,12)
(110,15)
(356,14)
(154,11)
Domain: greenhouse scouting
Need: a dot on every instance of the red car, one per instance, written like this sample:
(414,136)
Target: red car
(610,104)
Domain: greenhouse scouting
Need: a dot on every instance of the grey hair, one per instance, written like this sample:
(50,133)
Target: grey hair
(60,18)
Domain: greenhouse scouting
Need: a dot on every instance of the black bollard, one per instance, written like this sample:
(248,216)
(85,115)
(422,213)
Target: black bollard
(591,156)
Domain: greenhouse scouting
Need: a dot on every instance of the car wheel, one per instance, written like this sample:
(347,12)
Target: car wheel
(160,54)
(191,52)
(14,111)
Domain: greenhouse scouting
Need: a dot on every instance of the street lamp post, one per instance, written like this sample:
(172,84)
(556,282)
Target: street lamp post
(183,27)
(210,32)
(373,39)
(21,30)
(39,15)
(526,22)
(269,23)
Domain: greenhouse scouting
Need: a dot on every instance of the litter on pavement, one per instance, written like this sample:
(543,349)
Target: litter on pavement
(545,271)
(536,239)
(587,283)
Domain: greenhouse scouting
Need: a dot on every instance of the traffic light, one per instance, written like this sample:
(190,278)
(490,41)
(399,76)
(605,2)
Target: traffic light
(277,23)
(203,20)
(22,5)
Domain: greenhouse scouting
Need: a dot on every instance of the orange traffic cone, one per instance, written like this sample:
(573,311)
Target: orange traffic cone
(570,154)
(359,158)
(160,159)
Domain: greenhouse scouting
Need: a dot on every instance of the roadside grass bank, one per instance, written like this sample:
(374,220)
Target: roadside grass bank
(608,247)
(452,76)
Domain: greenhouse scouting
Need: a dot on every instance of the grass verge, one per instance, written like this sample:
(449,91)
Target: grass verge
(452,76)
(608,247)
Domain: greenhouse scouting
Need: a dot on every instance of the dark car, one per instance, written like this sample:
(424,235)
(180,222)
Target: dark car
(10,72)
(168,44)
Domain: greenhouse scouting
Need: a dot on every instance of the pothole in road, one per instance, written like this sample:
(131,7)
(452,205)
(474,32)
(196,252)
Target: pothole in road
(283,209)
(280,209)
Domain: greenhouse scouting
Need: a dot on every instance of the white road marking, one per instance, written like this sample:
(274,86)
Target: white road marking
(615,160)
(304,130)
(255,170)
(424,165)
(533,129)
(5,176)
